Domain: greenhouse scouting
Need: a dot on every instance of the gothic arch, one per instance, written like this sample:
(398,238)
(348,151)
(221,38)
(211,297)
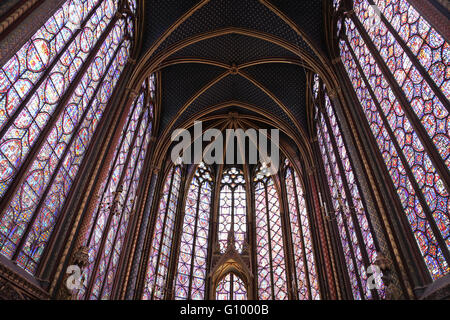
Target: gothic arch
(89,99)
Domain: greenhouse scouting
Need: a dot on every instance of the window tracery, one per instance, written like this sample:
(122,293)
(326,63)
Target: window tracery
(190,276)
(54,91)
(233,209)
(396,67)
(270,249)
(162,239)
(117,201)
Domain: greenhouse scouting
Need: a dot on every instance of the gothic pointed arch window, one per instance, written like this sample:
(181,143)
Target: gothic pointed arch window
(233,209)
(53,94)
(305,273)
(231,287)
(398,66)
(162,240)
(349,212)
(192,261)
(270,249)
(117,198)
(245,254)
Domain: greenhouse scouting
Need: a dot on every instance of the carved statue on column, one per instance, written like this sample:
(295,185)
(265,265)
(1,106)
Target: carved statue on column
(392,290)
(80,258)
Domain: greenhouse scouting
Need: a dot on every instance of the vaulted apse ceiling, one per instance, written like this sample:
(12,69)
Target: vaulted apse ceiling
(241,51)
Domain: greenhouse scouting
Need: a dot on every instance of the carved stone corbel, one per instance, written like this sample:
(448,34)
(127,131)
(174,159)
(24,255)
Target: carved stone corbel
(393,292)
(80,258)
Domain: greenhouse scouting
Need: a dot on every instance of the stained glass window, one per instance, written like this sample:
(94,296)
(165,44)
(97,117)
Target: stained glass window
(424,41)
(305,278)
(54,90)
(348,209)
(315,86)
(398,65)
(233,209)
(270,254)
(191,271)
(118,196)
(432,53)
(231,287)
(161,245)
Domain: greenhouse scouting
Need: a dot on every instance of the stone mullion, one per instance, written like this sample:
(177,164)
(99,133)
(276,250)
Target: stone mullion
(102,287)
(286,244)
(319,257)
(194,240)
(231,286)
(377,175)
(252,238)
(176,243)
(428,144)
(138,224)
(334,220)
(211,233)
(169,196)
(61,160)
(348,195)
(140,283)
(111,212)
(153,224)
(414,60)
(417,190)
(357,182)
(305,258)
(287,235)
(284,237)
(49,68)
(109,157)
(69,218)
(232,212)
(129,282)
(249,222)
(339,265)
(300,224)
(125,251)
(269,233)
(110,173)
(344,221)
(319,235)
(101,153)
(127,254)
(176,237)
(213,228)
(379,233)
(141,148)
(334,229)
(32,154)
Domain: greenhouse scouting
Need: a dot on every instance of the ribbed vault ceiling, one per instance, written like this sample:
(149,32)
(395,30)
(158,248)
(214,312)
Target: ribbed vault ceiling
(242,56)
